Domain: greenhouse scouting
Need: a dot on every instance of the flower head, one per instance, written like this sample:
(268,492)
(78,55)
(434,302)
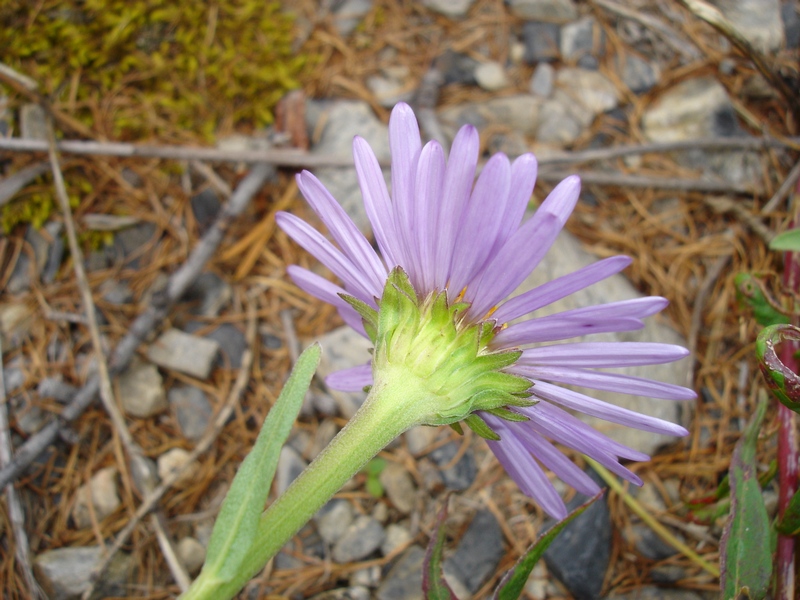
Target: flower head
(434,303)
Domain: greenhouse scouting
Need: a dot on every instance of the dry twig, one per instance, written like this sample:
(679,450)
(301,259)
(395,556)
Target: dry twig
(158,308)
(15,513)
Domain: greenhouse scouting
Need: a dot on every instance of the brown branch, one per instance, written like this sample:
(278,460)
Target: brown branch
(158,308)
(643,181)
(783,190)
(298,158)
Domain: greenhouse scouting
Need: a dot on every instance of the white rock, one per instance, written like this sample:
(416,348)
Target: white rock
(520,113)
(99,494)
(141,390)
(758,20)
(343,348)
(191,553)
(64,573)
(184,352)
(389,91)
(455,9)
(491,76)
(551,11)
(396,536)
(562,120)
(175,459)
(567,256)
(592,89)
(33,122)
(16,319)
(688,110)
(337,124)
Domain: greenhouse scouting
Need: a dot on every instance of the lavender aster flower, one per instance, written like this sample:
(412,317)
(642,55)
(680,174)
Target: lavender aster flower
(434,303)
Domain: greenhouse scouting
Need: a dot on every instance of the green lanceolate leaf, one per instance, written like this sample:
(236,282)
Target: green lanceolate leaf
(790,523)
(513,582)
(746,559)
(780,379)
(751,293)
(434,585)
(788,241)
(238,518)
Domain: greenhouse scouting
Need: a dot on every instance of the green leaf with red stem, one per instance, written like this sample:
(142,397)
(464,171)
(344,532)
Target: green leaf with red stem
(781,380)
(746,547)
(513,582)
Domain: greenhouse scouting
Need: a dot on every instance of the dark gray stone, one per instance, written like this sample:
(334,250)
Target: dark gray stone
(130,240)
(208,294)
(192,410)
(404,580)
(541,41)
(582,38)
(479,551)
(347,14)
(56,388)
(117,292)
(27,267)
(364,536)
(638,74)
(231,342)
(55,255)
(457,68)
(205,207)
(290,465)
(791,24)
(333,519)
(580,554)
(461,475)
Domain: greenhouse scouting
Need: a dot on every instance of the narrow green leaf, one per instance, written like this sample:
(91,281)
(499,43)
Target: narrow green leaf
(790,523)
(780,379)
(434,585)
(480,427)
(238,517)
(788,241)
(513,582)
(746,550)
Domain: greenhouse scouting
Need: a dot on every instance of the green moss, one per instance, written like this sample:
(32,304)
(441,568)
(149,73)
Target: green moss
(144,69)
(152,67)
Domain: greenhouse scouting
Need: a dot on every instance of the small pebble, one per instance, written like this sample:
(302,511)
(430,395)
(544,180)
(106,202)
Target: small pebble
(491,76)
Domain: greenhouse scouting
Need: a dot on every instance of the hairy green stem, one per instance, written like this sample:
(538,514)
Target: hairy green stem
(388,411)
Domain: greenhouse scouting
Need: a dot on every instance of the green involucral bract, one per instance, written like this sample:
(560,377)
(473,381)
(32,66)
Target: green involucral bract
(443,360)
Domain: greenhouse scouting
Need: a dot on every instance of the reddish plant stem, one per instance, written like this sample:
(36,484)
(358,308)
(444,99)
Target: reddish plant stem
(787,440)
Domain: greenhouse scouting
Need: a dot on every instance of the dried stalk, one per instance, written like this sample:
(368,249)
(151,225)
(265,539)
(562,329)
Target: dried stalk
(15,513)
(298,158)
(158,308)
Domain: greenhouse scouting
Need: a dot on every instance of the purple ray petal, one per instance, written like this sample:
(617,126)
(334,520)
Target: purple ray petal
(537,331)
(525,249)
(482,222)
(429,187)
(317,286)
(603,354)
(458,178)
(405,146)
(341,227)
(559,288)
(551,457)
(594,319)
(526,472)
(559,425)
(523,178)
(325,252)
(353,379)
(610,382)
(377,203)
(603,410)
